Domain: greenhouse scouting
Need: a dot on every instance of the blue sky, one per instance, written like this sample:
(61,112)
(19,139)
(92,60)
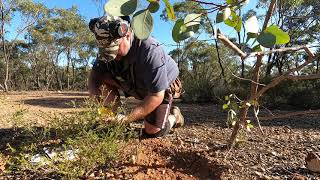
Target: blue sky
(161,31)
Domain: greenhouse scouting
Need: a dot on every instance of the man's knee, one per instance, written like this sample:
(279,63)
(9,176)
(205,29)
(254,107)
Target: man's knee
(162,132)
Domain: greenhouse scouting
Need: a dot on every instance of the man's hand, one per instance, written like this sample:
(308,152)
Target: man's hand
(118,119)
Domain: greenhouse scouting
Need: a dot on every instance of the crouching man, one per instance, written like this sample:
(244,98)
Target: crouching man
(139,68)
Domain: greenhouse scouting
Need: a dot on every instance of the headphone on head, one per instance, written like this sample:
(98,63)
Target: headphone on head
(117,29)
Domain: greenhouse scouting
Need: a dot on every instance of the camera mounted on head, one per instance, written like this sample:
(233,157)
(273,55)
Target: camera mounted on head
(106,28)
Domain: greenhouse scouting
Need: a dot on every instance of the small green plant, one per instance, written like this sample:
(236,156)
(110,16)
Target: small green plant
(17,117)
(233,105)
(70,146)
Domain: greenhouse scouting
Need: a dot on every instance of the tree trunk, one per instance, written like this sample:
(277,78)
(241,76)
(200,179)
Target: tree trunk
(73,73)
(242,68)
(56,71)
(5,55)
(269,65)
(245,108)
(279,63)
(238,125)
(317,69)
(67,70)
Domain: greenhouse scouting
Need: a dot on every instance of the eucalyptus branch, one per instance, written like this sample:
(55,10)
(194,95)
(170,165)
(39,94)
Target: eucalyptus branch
(255,78)
(231,45)
(213,10)
(304,77)
(269,14)
(256,112)
(217,48)
(289,49)
(209,3)
(279,79)
(309,52)
(245,79)
(208,9)
(269,111)
(219,59)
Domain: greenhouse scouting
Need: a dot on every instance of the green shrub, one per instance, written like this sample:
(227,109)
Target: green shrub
(294,95)
(92,143)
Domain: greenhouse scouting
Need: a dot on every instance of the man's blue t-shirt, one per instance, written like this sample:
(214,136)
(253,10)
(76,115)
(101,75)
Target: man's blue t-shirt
(154,70)
(145,69)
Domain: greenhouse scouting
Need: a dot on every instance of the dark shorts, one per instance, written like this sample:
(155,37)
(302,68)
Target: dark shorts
(159,116)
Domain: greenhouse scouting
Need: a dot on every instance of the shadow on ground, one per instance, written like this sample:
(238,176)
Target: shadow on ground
(203,114)
(299,122)
(18,138)
(55,102)
(195,164)
(72,94)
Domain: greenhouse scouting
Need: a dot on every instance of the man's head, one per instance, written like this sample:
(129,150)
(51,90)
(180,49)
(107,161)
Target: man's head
(113,35)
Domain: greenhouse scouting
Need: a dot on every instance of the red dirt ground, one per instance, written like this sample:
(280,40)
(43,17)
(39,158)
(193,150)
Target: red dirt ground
(197,150)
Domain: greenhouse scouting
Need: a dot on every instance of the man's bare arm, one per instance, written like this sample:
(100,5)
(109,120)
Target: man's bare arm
(149,104)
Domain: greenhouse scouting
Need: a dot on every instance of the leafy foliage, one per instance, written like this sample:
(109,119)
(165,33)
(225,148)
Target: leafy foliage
(69,146)
(142,24)
(154,6)
(169,10)
(142,20)
(120,7)
(184,29)
(200,72)
(234,21)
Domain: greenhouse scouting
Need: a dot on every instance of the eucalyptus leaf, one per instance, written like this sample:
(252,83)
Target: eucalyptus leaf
(252,25)
(230,2)
(142,24)
(176,30)
(230,23)
(169,9)
(246,2)
(219,17)
(266,39)
(239,24)
(194,28)
(226,13)
(250,126)
(183,28)
(185,35)
(281,36)
(153,6)
(252,35)
(234,21)
(120,7)
(192,19)
(257,48)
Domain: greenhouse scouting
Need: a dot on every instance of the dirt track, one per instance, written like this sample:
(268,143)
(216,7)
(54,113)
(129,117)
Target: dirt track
(197,151)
